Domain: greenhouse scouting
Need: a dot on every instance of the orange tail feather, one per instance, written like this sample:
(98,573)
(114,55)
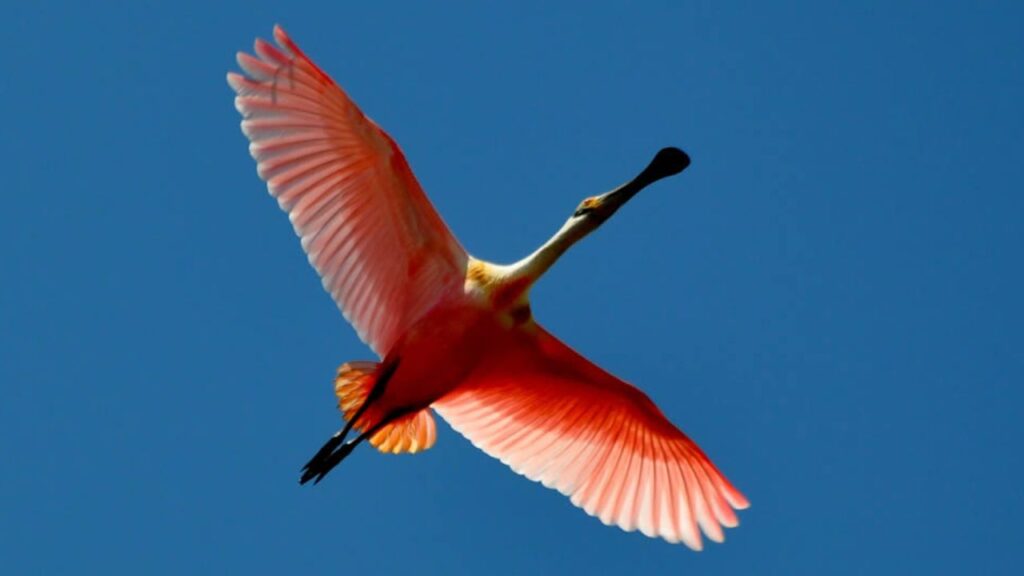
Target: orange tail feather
(410,433)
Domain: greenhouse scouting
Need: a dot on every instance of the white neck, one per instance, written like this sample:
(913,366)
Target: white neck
(523,274)
(536,264)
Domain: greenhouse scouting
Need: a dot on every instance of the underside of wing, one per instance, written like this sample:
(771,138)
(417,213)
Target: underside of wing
(556,418)
(381,249)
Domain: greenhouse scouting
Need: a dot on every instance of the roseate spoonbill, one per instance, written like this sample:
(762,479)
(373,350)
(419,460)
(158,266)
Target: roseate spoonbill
(455,333)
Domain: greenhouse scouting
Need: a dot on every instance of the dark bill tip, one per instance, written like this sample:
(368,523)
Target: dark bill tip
(667,161)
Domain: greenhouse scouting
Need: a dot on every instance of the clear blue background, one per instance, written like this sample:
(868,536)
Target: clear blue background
(829,300)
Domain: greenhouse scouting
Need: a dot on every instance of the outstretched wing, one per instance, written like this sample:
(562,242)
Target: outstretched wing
(556,418)
(381,249)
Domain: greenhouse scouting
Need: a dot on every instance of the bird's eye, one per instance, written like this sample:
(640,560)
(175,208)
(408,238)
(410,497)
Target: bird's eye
(586,207)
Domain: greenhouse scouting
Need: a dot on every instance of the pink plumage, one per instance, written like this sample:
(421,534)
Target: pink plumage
(456,334)
(364,221)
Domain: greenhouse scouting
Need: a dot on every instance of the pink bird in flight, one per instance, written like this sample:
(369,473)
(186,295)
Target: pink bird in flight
(455,333)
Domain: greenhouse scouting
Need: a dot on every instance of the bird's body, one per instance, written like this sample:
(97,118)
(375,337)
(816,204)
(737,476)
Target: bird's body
(437,353)
(455,334)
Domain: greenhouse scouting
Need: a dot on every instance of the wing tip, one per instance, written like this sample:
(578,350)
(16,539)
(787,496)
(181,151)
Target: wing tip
(285,41)
(736,499)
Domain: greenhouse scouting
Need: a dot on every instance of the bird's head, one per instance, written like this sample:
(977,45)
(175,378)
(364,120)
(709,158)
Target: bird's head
(596,209)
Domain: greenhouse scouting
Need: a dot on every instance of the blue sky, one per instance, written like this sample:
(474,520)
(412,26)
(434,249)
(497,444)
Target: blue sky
(828,300)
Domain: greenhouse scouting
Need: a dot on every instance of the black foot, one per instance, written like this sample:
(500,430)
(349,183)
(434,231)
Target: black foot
(325,450)
(325,460)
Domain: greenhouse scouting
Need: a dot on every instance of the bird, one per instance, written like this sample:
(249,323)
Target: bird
(454,333)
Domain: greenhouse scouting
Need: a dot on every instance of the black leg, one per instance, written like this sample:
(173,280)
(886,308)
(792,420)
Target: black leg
(334,458)
(334,451)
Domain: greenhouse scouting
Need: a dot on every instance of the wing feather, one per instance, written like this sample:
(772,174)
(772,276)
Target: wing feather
(381,249)
(554,417)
